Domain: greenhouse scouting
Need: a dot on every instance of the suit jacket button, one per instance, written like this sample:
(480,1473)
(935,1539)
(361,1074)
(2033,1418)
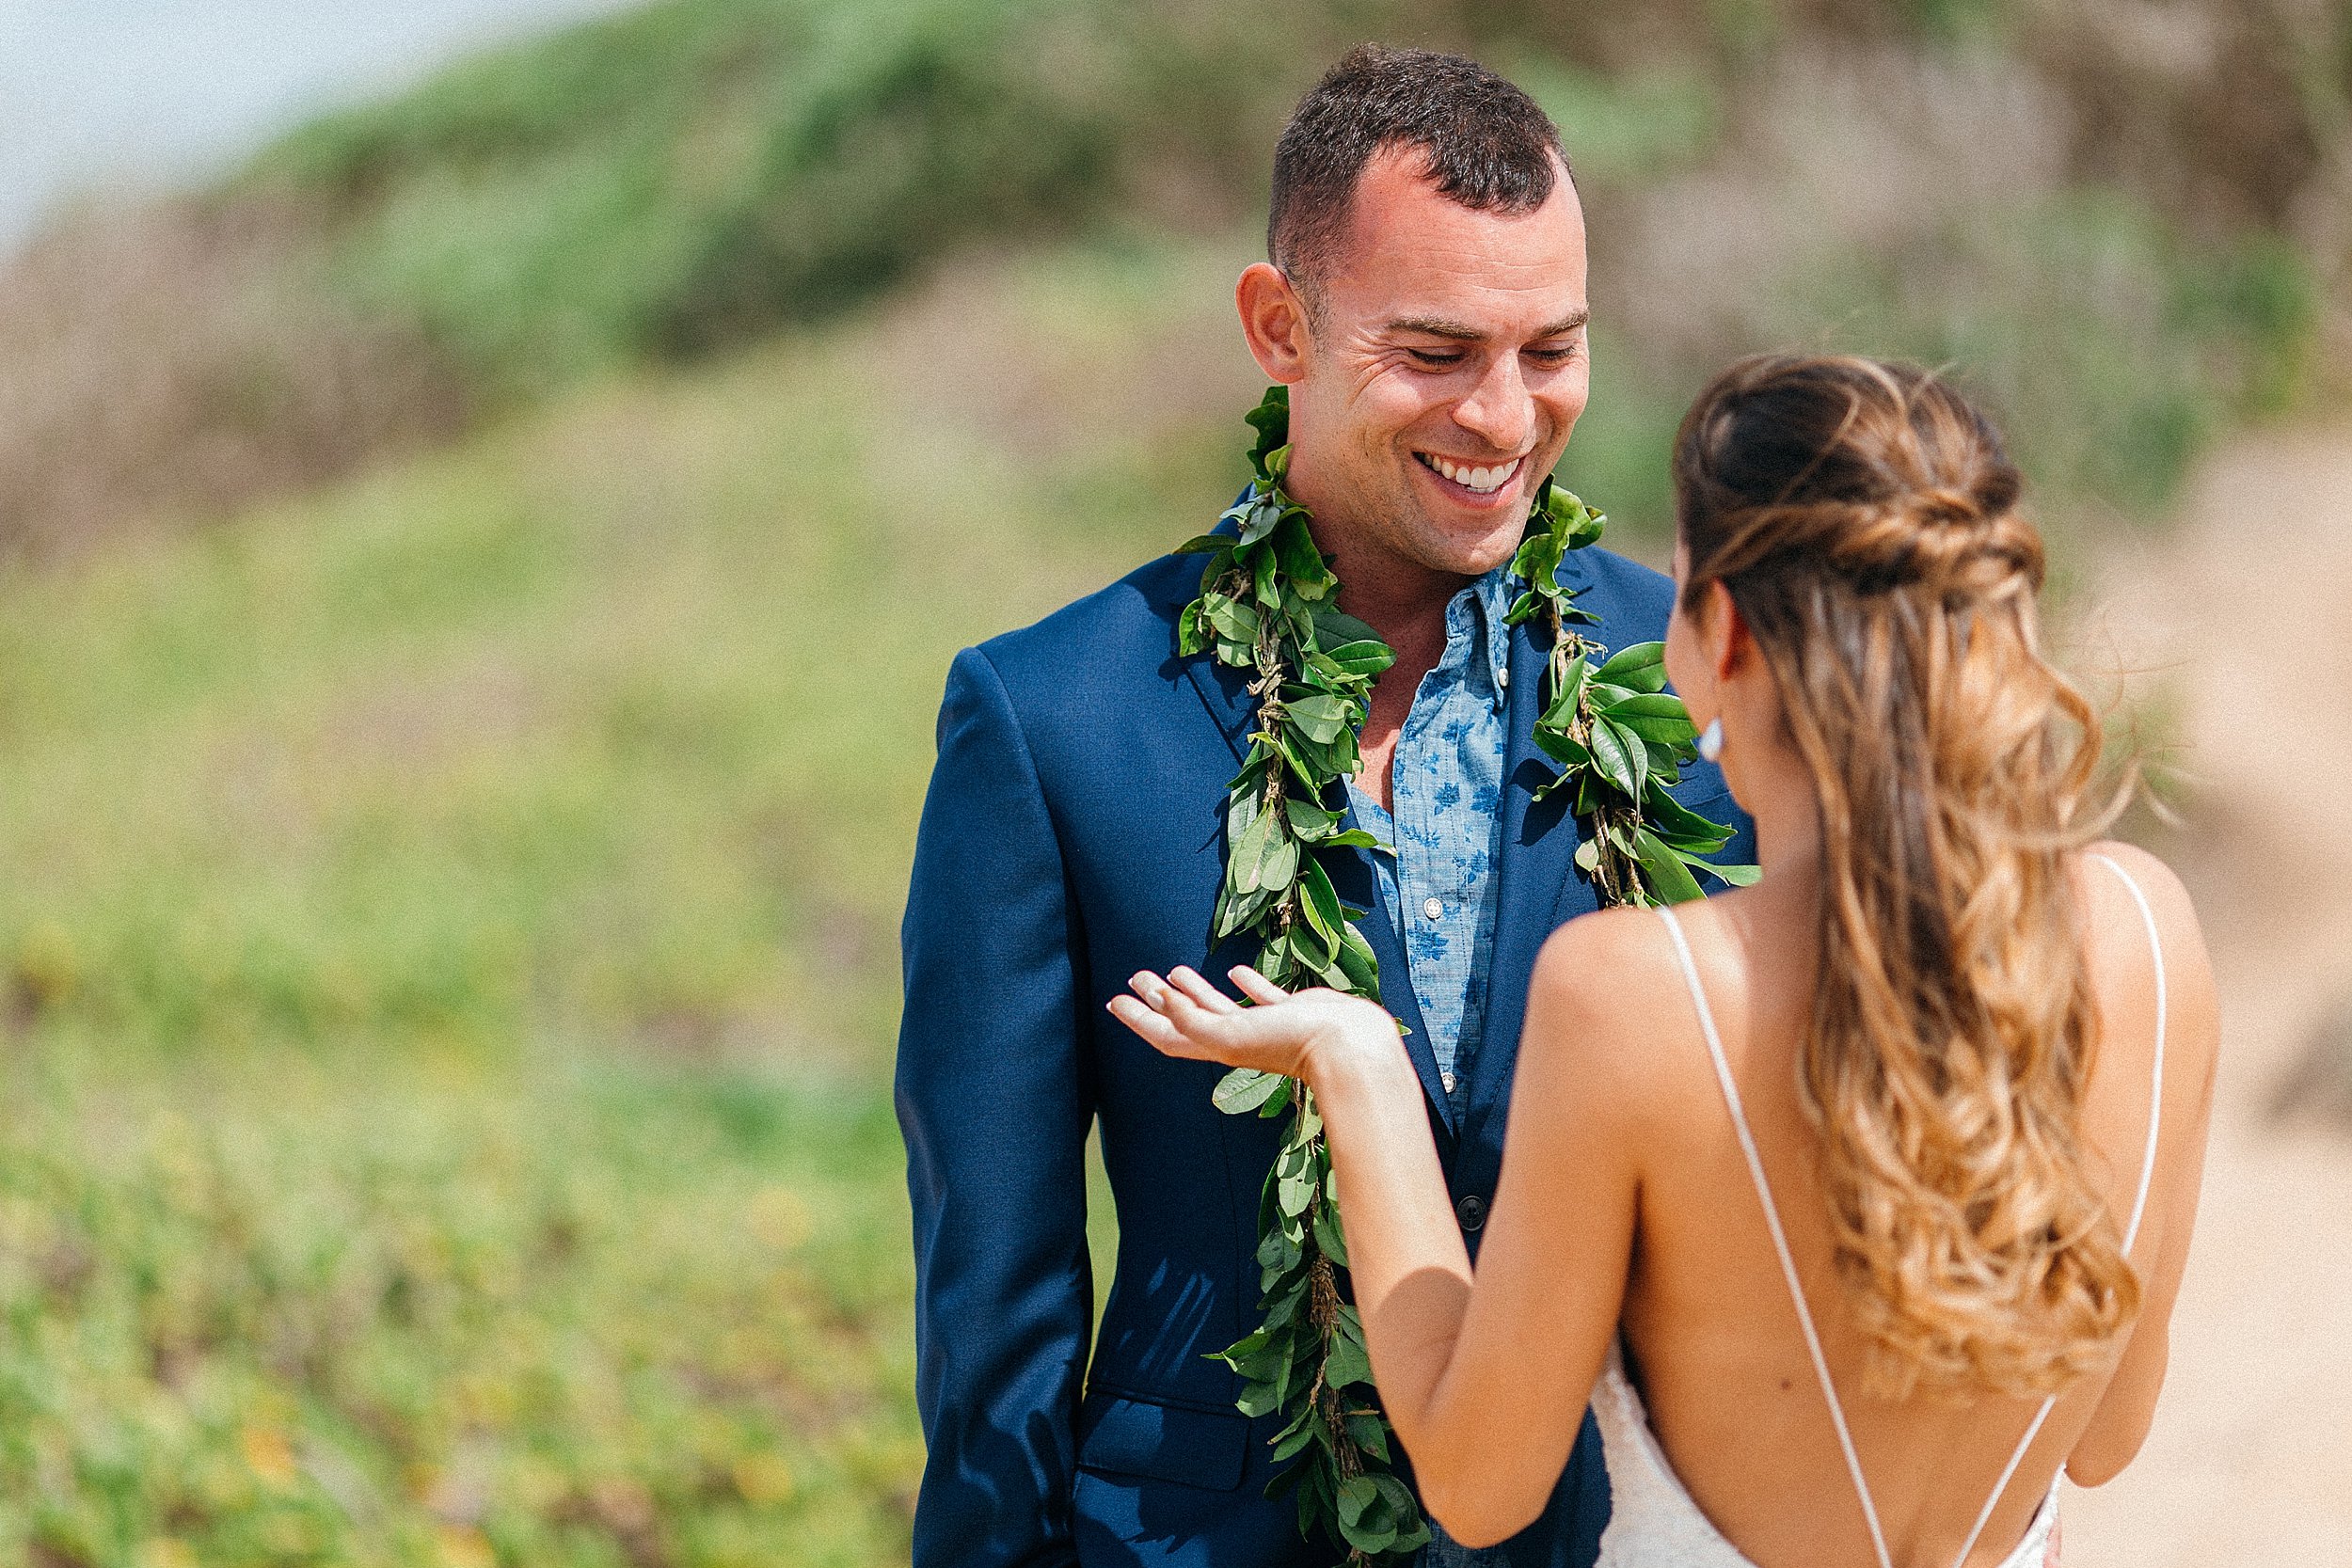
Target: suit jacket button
(1471,1212)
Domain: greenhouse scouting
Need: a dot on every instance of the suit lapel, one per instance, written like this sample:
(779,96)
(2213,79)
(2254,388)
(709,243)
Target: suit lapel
(1537,885)
(1355,881)
(1225,691)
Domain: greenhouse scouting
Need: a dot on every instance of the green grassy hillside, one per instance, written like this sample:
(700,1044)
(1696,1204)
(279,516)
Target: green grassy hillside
(450,942)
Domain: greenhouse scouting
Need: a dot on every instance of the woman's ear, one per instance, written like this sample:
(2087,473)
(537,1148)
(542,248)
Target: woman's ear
(1731,647)
(1274,321)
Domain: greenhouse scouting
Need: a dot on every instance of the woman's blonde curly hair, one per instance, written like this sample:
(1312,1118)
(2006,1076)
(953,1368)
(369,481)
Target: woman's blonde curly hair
(1864,517)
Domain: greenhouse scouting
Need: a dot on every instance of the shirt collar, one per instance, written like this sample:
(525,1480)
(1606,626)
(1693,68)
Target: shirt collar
(1494,595)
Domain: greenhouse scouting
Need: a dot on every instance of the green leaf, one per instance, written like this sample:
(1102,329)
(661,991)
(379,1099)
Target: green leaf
(1250,850)
(1578,524)
(1280,867)
(1737,875)
(1363,657)
(1678,825)
(1234,621)
(1658,716)
(1615,760)
(1538,557)
(1321,904)
(1355,838)
(1347,1365)
(1295,1443)
(1562,709)
(1191,632)
(1561,748)
(1641,667)
(1328,1236)
(1258,1398)
(1265,580)
(1277,1252)
(1668,878)
(1205,543)
(1302,564)
(1336,628)
(1245,1089)
(1323,719)
(1308,820)
(1295,1195)
(1361,968)
(1264,511)
(1271,418)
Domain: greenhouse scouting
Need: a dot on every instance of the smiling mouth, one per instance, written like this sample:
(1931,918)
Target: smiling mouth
(1478,481)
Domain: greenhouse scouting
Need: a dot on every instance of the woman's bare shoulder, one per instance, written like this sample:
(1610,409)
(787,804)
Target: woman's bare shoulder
(2178,931)
(1606,997)
(2193,1021)
(1582,961)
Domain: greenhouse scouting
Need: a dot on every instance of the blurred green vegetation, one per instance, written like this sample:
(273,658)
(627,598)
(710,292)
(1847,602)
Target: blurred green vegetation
(689,175)
(406,1317)
(612,725)
(451,963)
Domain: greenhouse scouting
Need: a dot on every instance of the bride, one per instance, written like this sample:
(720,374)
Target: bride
(1856,1200)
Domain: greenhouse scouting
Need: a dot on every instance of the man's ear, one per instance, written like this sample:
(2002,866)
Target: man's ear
(1274,321)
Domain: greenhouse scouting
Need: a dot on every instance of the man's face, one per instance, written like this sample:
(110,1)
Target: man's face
(1447,368)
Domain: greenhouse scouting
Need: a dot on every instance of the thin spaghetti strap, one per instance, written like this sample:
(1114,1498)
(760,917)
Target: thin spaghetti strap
(2156,1072)
(2140,1202)
(1780,1238)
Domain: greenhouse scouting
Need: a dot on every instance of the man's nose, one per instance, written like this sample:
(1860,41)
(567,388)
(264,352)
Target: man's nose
(1499,410)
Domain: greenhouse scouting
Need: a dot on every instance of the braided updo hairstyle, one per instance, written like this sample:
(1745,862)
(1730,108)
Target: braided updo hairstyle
(1864,517)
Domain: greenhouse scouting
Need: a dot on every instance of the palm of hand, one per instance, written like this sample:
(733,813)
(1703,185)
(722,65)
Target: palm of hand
(1184,1016)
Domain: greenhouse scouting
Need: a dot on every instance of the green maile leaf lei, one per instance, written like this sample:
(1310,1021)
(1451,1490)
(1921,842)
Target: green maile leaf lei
(1268,605)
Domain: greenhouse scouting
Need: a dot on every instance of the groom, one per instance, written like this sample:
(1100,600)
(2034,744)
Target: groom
(1426,306)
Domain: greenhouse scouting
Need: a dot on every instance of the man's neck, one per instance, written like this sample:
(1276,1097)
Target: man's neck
(1404,603)
(1403,600)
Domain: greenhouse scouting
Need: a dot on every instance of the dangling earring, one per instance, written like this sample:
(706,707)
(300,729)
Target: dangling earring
(1712,740)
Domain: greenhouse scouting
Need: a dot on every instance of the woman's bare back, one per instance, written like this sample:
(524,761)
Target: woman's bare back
(1712,1340)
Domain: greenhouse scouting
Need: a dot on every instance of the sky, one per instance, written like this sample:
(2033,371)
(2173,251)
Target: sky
(109,94)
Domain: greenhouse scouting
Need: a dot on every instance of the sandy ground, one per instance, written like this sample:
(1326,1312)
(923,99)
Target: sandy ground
(2240,622)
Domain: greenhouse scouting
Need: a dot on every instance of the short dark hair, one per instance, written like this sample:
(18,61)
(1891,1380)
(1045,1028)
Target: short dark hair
(1486,143)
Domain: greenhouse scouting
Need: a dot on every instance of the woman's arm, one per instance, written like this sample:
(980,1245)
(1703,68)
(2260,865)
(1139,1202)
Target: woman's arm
(1486,1379)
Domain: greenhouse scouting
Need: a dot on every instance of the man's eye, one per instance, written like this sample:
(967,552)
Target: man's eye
(1435,357)
(1552,356)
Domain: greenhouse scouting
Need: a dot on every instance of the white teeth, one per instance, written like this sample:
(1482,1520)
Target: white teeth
(1472,478)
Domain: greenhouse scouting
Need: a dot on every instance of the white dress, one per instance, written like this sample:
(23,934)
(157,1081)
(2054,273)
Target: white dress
(1653,1521)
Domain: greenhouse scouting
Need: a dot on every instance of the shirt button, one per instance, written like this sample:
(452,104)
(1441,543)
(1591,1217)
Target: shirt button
(1503,679)
(1471,1212)
(1433,908)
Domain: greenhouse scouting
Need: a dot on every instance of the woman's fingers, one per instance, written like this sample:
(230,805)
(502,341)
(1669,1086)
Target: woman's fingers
(1199,990)
(1257,987)
(1156,1031)
(1182,1020)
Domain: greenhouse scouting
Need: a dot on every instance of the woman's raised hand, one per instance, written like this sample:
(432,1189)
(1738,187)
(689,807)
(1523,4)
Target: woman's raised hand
(1183,1015)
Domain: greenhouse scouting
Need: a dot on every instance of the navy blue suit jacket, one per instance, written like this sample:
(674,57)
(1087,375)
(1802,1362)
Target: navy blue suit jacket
(1074,834)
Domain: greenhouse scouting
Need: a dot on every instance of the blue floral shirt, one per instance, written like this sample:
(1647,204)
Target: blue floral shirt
(1437,891)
